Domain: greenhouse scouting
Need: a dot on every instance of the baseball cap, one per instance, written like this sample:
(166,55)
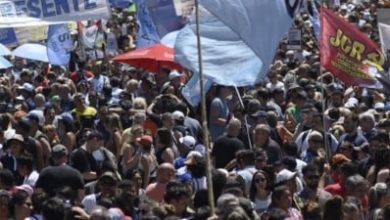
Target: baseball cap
(16,137)
(59,150)
(145,140)
(110,175)
(259,114)
(27,87)
(285,175)
(27,188)
(174,74)
(194,158)
(178,115)
(33,117)
(188,141)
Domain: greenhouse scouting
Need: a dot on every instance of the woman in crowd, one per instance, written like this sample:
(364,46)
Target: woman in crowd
(259,192)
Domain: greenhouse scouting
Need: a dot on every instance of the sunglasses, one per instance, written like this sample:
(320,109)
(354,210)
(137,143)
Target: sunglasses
(260,180)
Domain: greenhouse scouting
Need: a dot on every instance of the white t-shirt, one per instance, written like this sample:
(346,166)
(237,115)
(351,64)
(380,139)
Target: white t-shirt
(31,179)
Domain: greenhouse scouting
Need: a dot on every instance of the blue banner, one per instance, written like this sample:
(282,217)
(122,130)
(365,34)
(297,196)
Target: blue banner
(59,44)
(8,36)
(120,3)
(147,33)
(191,90)
(164,15)
(21,13)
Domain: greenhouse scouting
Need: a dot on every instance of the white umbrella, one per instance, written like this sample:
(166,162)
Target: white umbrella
(4,51)
(4,64)
(32,52)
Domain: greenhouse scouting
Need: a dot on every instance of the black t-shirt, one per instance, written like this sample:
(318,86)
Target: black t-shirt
(224,150)
(54,178)
(83,161)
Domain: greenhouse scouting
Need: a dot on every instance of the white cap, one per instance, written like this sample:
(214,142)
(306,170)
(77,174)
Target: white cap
(174,74)
(27,86)
(383,175)
(178,115)
(188,141)
(285,175)
(379,105)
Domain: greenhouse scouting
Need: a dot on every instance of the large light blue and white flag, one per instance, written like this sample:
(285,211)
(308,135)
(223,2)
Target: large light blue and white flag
(227,59)
(314,18)
(147,33)
(261,24)
(59,44)
(191,90)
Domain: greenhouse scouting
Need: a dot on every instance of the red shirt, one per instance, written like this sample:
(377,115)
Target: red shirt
(335,189)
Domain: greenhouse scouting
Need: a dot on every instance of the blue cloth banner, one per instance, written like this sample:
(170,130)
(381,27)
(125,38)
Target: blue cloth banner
(191,90)
(314,18)
(19,13)
(164,16)
(261,24)
(120,3)
(59,44)
(147,33)
(227,60)
(8,36)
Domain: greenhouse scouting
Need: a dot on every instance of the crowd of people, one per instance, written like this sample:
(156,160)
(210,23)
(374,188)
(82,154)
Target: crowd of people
(103,140)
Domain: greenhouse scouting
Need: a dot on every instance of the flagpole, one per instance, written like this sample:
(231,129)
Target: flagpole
(245,118)
(326,140)
(203,114)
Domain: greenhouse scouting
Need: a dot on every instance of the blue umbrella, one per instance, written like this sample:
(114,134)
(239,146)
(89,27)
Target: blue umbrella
(4,51)
(32,52)
(4,64)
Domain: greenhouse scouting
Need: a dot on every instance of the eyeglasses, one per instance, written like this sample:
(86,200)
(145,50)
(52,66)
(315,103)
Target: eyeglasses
(260,180)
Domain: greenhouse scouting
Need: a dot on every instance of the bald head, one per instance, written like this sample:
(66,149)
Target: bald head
(165,172)
(233,127)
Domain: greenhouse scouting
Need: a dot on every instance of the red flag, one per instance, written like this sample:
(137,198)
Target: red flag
(346,52)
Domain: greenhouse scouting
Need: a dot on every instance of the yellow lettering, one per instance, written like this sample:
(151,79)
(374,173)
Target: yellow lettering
(357,50)
(335,41)
(345,44)
(377,58)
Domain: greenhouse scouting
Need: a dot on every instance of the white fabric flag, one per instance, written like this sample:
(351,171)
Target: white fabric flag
(227,60)
(384,34)
(261,24)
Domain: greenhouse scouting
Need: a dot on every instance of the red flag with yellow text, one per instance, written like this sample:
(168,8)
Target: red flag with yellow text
(346,52)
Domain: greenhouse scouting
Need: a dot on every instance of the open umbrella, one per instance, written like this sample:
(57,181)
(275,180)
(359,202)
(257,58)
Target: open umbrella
(4,51)
(150,58)
(32,52)
(4,64)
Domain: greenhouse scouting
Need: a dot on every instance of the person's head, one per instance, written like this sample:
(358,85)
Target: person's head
(165,173)
(7,179)
(351,209)
(164,137)
(333,209)
(178,196)
(16,145)
(287,178)
(379,195)
(366,121)
(59,154)
(281,197)
(351,122)
(386,212)
(261,158)
(100,213)
(311,175)
(233,127)
(261,134)
(315,141)
(223,91)
(226,203)
(245,158)
(107,183)
(94,141)
(260,182)
(79,100)
(356,186)
(53,208)
(25,164)
(312,211)
(347,169)
(235,187)
(20,204)
(5,198)
(167,120)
